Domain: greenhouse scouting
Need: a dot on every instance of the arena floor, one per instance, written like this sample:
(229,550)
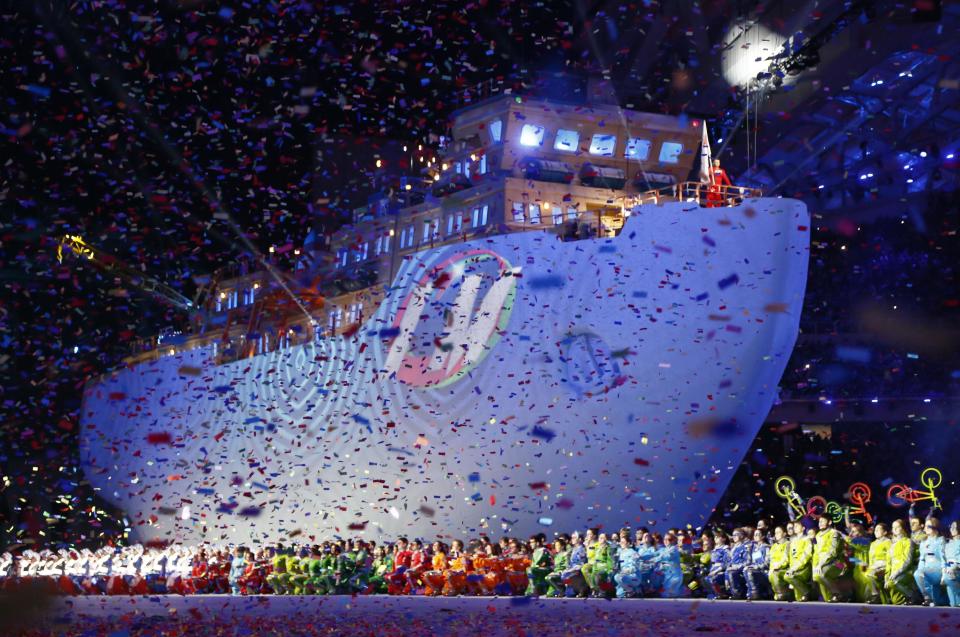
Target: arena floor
(382,615)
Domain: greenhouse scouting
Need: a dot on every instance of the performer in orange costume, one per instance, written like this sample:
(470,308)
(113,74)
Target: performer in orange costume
(434,579)
(478,560)
(516,565)
(495,575)
(456,575)
(719,176)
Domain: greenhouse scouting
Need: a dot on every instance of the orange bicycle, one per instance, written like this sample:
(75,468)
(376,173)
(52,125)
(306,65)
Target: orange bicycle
(900,494)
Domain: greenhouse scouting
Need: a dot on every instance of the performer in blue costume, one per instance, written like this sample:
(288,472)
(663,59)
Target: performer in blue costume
(627,577)
(572,576)
(757,571)
(739,559)
(647,564)
(929,571)
(668,564)
(951,565)
(719,558)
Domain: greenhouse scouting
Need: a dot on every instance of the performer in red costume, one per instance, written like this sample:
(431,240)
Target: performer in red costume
(719,178)
(419,563)
(396,581)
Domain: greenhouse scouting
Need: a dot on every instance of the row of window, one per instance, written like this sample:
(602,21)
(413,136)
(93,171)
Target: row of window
(532,213)
(464,167)
(335,316)
(230,299)
(429,231)
(601,144)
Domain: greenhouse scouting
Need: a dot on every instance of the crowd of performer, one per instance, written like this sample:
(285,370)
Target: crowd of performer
(907,562)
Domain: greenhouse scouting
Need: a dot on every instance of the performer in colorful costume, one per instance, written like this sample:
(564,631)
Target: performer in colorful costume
(800,565)
(739,558)
(899,582)
(878,560)
(627,577)
(719,558)
(780,563)
(561,561)
(929,571)
(951,565)
(668,565)
(758,583)
(830,562)
(541,565)
(858,550)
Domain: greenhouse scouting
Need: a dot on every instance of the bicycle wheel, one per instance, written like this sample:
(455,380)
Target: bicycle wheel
(785,486)
(897,495)
(860,493)
(931,478)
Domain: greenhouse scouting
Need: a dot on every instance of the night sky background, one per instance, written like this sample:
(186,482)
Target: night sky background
(170,134)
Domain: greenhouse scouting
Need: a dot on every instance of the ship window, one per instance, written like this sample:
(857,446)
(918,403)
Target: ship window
(571,213)
(334,319)
(496,128)
(219,304)
(354,313)
(531,135)
(670,152)
(386,242)
(431,229)
(534,213)
(406,237)
(557,215)
(483,164)
(518,211)
(566,140)
(378,246)
(603,144)
(449,225)
(466,168)
(457,166)
(342,257)
(480,216)
(637,149)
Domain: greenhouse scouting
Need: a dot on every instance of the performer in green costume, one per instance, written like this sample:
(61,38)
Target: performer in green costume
(800,565)
(779,563)
(382,565)
(899,581)
(878,561)
(830,561)
(561,561)
(858,547)
(598,571)
(540,565)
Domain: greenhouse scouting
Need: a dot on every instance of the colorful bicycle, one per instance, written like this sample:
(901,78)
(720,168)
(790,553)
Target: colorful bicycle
(899,495)
(786,488)
(859,494)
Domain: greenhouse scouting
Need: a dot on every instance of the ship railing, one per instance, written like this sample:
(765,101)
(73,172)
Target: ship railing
(706,195)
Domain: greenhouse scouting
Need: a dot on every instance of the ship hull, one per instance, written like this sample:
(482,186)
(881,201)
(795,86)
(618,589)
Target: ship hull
(514,382)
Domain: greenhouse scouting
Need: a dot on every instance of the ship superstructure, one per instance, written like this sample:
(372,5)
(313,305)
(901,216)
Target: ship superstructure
(513,165)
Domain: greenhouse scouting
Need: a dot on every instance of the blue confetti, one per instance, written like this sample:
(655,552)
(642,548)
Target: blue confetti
(543,432)
(728,281)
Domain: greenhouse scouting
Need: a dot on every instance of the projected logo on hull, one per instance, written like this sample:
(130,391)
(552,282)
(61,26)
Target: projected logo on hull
(451,319)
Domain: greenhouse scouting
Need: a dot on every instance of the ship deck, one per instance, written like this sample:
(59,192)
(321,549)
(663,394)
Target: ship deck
(383,615)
